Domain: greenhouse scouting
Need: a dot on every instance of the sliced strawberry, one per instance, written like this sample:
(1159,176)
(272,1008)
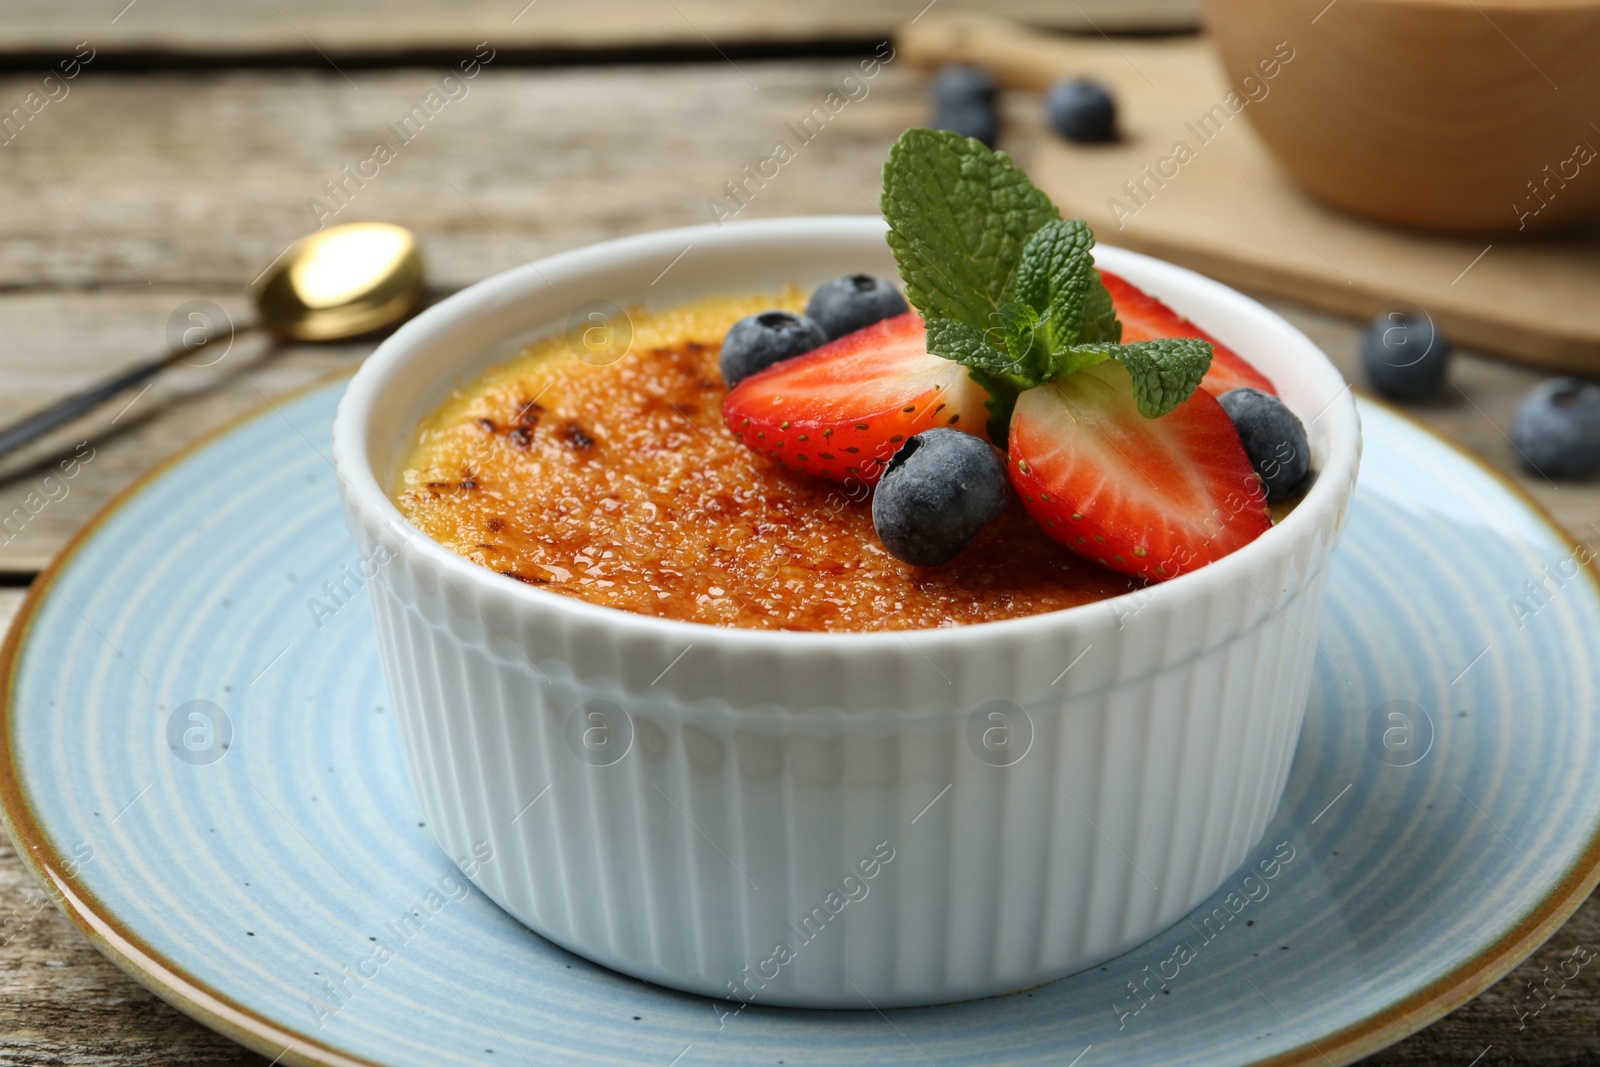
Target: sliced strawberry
(841,411)
(1148,497)
(1144,318)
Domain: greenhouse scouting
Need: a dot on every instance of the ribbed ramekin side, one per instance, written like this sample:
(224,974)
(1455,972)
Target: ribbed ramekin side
(402,692)
(1305,615)
(724,836)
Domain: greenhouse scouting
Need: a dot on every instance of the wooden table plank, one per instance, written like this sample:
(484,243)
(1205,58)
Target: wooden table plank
(355,28)
(198,179)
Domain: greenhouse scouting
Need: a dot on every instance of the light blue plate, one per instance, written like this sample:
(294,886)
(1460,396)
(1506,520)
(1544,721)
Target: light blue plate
(1440,820)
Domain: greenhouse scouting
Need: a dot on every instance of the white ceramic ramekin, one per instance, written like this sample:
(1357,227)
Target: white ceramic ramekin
(836,819)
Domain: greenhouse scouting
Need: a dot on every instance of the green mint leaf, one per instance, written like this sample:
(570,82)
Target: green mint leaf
(987,365)
(1018,321)
(968,347)
(1013,351)
(1025,344)
(1055,277)
(959,215)
(1165,373)
(1100,322)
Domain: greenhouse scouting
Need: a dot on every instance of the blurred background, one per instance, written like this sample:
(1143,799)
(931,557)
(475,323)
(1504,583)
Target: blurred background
(1410,183)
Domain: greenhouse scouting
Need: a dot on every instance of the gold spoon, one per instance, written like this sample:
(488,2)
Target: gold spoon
(328,286)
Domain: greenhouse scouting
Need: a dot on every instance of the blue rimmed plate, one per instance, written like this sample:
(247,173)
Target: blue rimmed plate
(196,758)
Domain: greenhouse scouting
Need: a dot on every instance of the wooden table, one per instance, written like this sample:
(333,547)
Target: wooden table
(148,185)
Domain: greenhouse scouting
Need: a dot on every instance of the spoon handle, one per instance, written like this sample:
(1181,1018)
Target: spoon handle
(32,427)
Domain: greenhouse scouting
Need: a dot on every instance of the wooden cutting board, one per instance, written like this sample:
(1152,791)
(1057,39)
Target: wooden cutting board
(1225,208)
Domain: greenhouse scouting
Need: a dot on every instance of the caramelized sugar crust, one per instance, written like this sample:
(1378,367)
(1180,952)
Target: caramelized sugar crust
(619,484)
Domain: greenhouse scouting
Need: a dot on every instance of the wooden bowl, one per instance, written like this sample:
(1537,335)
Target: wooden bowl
(1458,115)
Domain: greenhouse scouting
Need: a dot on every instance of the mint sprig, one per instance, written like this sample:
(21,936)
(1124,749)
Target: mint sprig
(959,215)
(1007,287)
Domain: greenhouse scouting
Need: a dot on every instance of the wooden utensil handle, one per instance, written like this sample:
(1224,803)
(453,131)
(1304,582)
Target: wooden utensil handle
(1018,57)
(32,427)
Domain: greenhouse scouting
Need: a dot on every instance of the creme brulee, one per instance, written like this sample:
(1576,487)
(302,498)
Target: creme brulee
(620,485)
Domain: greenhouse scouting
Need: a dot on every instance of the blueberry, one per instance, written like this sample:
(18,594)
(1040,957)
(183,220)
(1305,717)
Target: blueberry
(1405,356)
(969,118)
(758,341)
(958,83)
(1273,436)
(847,304)
(1557,429)
(1082,110)
(938,491)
